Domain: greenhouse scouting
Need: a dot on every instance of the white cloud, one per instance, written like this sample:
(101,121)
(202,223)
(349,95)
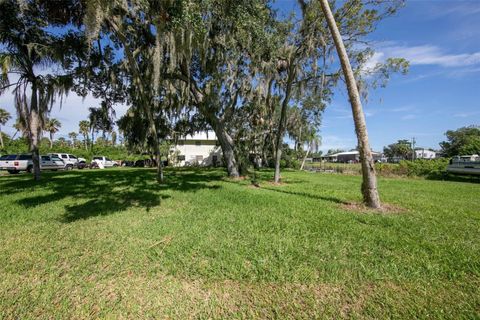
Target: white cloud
(337,142)
(466,114)
(402,108)
(457,8)
(430,55)
(376,58)
(74,109)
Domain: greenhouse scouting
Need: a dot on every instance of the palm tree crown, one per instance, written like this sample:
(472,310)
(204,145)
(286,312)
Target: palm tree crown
(4,116)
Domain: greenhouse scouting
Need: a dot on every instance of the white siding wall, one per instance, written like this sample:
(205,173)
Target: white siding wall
(205,151)
(425,154)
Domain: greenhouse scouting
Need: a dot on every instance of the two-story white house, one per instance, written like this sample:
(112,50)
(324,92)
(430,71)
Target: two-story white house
(422,153)
(202,148)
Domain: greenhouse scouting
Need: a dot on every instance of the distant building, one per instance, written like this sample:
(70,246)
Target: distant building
(421,153)
(199,149)
(349,156)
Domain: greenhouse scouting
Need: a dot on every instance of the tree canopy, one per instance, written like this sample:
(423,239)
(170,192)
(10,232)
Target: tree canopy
(463,141)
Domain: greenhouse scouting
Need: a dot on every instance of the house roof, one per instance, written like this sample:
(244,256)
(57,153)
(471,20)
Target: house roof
(203,135)
(347,153)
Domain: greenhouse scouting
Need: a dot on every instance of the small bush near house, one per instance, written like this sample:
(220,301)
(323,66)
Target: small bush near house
(423,167)
(420,168)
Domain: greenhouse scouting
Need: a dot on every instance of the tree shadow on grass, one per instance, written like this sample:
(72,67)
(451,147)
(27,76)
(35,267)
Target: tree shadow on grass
(297,193)
(104,192)
(454,177)
(308,195)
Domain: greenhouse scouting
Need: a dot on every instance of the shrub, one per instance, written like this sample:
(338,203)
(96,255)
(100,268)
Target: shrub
(420,167)
(423,167)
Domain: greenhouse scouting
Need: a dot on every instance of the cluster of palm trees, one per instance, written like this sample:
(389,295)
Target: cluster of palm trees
(51,126)
(4,117)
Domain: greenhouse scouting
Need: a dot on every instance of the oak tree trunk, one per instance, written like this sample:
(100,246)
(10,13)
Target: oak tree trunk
(226,143)
(158,159)
(369,184)
(283,122)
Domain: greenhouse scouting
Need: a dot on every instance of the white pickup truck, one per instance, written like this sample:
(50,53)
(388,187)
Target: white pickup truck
(70,160)
(15,163)
(104,162)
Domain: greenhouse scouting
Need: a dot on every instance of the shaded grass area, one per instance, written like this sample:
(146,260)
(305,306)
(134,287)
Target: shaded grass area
(113,243)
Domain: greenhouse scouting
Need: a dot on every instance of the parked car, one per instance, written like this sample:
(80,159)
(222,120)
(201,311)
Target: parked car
(10,163)
(15,163)
(70,160)
(104,161)
(128,163)
(51,162)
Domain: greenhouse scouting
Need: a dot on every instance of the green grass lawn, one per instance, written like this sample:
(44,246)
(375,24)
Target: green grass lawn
(114,244)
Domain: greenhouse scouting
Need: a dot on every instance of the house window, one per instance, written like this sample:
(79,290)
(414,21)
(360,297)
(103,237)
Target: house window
(198,143)
(199,159)
(181,158)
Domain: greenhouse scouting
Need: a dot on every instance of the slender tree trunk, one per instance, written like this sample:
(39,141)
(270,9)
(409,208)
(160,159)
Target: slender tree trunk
(93,141)
(51,140)
(35,130)
(282,122)
(305,157)
(369,184)
(158,159)
(1,138)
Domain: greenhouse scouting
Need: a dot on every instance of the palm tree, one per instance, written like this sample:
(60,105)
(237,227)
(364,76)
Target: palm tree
(4,117)
(73,136)
(52,126)
(114,137)
(27,47)
(369,184)
(83,129)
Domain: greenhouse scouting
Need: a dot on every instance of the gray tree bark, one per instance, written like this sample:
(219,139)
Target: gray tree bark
(227,144)
(1,138)
(35,131)
(369,184)
(283,119)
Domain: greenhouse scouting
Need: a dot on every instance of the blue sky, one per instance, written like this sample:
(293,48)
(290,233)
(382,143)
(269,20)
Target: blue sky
(441,39)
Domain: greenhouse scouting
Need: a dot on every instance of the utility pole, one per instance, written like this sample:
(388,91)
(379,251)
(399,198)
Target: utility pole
(413,148)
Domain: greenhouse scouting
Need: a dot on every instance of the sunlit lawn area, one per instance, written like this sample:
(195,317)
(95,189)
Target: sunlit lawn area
(112,243)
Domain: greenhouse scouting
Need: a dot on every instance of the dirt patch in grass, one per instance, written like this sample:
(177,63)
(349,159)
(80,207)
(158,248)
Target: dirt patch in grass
(387,208)
(276,184)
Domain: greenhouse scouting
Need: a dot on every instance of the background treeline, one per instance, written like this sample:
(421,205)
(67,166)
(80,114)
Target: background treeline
(99,148)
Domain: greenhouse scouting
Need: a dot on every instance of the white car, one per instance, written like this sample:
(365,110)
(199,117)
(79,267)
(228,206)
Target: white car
(51,162)
(70,160)
(104,162)
(15,163)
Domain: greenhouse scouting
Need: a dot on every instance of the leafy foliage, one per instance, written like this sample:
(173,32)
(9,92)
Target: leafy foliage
(463,141)
(402,149)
